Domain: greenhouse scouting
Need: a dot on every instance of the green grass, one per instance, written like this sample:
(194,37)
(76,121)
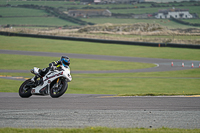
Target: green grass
(9,85)
(172,3)
(192,9)
(196,21)
(55,4)
(36,20)
(49,21)
(194,73)
(8,11)
(136,10)
(99,130)
(64,46)
(67,4)
(11,11)
(121,85)
(182,82)
(25,62)
(172,82)
(135,85)
(70,4)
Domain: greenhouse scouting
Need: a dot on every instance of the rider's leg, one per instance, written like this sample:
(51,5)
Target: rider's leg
(35,71)
(44,71)
(35,78)
(39,74)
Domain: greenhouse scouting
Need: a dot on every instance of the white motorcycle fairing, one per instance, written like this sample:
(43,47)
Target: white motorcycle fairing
(44,89)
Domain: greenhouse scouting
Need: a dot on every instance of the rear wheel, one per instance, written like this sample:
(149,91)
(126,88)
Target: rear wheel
(57,91)
(24,90)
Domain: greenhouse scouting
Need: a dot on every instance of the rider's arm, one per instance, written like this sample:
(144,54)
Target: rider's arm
(55,63)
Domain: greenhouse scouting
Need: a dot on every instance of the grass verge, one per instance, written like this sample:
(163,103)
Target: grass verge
(184,82)
(173,82)
(159,94)
(9,85)
(26,62)
(78,47)
(143,86)
(99,130)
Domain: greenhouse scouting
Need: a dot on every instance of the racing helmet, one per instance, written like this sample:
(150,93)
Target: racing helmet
(65,60)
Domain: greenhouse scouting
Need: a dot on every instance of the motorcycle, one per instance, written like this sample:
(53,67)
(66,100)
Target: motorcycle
(55,83)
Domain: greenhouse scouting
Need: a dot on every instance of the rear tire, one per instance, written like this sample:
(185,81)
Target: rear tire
(25,91)
(54,93)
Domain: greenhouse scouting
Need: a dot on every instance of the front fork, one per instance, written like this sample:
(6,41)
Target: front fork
(56,86)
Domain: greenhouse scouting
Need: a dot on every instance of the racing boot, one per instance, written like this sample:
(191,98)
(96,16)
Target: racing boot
(42,73)
(37,72)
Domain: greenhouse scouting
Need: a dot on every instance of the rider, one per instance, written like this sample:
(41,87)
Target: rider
(64,60)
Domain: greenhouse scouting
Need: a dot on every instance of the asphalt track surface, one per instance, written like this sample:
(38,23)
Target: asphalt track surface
(83,110)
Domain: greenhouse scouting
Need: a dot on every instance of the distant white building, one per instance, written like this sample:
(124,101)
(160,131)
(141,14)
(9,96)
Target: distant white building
(175,13)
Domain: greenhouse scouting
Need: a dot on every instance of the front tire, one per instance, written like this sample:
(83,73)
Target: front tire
(24,90)
(57,92)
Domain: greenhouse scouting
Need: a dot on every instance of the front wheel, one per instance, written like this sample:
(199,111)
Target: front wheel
(24,90)
(57,91)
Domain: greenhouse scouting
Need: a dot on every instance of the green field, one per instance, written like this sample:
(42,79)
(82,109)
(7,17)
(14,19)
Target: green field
(157,83)
(54,21)
(197,21)
(62,46)
(163,83)
(25,16)
(77,3)
(67,4)
(48,21)
(192,9)
(11,11)
(22,62)
(99,130)
(136,10)
(41,3)
(64,6)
